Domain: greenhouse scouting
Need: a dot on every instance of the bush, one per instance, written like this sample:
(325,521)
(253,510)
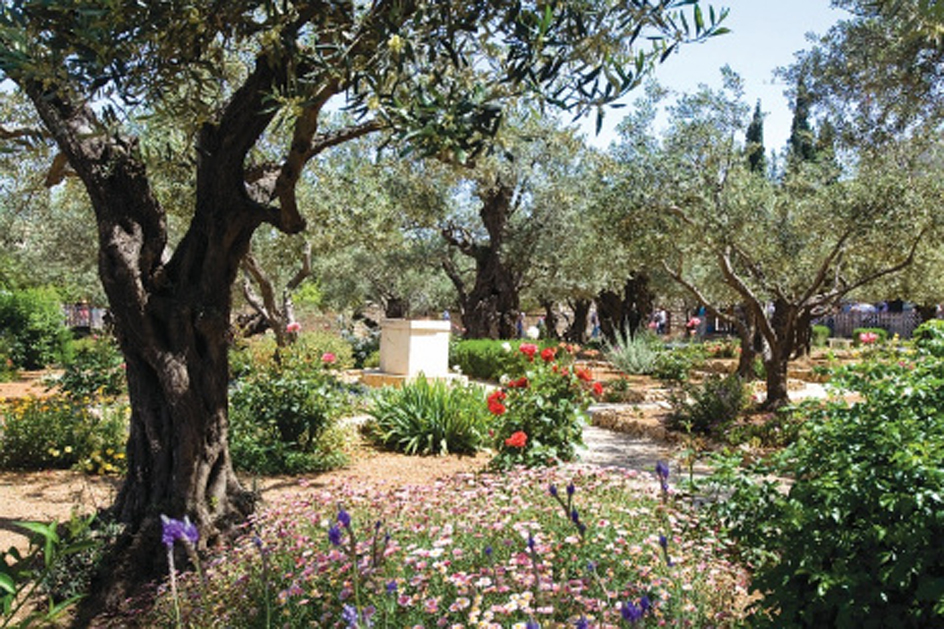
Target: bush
(707,407)
(855,541)
(96,369)
(675,364)
(60,433)
(929,337)
(8,370)
(364,349)
(429,418)
(486,359)
(820,335)
(283,415)
(635,355)
(32,329)
(540,416)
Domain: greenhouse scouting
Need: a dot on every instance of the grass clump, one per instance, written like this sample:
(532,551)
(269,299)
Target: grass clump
(423,417)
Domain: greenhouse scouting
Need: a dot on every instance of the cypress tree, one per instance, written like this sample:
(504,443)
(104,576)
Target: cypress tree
(801,146)
(756,157)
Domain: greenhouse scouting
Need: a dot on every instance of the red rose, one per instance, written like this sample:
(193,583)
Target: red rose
(583,374)
(496,408)
(598,388)
(517,440)
(547,354)
(528,349)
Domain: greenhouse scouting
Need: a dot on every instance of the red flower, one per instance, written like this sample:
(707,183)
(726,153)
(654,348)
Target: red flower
(547,354)
(598,388)
(528,349)
(495,405)
(583,374)
(517,440)
(520,383)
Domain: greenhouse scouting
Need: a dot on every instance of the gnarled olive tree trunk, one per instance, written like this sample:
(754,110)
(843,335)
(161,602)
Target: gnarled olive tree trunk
(171,315)
(490,308)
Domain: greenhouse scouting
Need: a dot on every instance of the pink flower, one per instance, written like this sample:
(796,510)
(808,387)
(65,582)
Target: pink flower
(293,327)
(328,358)
(694,322)
(867,338)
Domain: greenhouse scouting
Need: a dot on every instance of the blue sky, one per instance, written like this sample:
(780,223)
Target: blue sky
(764,35)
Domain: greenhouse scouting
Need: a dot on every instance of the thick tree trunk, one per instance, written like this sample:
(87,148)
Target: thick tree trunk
(550,321)
(780,348)
(577,332)
(490,309)
(623,315)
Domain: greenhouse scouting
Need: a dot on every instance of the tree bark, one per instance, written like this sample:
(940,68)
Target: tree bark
(577,332)
(171,316)
(622,315)
(490,309)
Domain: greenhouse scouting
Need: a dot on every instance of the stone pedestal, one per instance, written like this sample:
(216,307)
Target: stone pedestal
(409,348)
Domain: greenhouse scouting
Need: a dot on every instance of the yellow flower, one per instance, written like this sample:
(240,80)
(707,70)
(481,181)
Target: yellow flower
(395,44)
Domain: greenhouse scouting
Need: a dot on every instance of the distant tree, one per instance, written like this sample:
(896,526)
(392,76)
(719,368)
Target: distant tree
(754,142)
(784,250)
(801,145)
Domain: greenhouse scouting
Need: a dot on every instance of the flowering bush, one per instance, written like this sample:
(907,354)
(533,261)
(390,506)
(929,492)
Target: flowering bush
(96,369)
(870,336)
(539,417)
(284,414)
(61,432)
(474,551)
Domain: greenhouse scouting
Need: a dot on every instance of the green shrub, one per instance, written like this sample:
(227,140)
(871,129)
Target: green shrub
(929,337)
(855,539)
(61,433)
(96,369)
(819,335)
(540,416)
(429,418)
(708,407)
(8,370)
(635,355)
(283,415)
(365,350)
(881,333)
(32,328)
(485,359)
(674,365)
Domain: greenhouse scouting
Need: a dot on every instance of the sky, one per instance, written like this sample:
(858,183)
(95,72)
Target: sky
(764,35)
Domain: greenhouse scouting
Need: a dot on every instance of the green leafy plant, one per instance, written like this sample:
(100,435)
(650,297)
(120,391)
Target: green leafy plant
(96,369)
(540,416)
(32,328)
(929,337)
(22,576)
(423,417)
(709,406)
(635,354)
(676,363)
(855,538)
(485,359)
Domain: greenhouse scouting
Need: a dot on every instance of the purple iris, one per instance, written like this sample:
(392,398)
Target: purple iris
(334,535)
(552,489)
(583,623)
(344,518)
(183,530)
(631,612)
(571,489)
